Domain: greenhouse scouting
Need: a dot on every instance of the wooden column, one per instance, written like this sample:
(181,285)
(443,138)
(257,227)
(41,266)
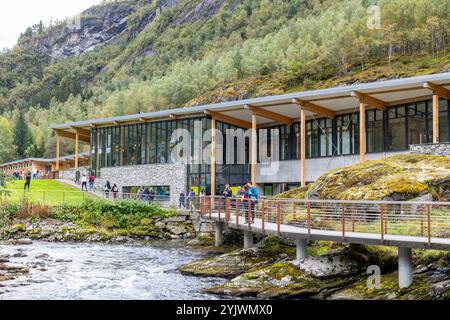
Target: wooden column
(254,159)
(213,158)
(77,140)
(58,142)
(362,131)
(302,148)
(435,118)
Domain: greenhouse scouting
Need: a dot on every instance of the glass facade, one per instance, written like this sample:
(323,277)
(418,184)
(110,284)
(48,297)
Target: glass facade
(151,143)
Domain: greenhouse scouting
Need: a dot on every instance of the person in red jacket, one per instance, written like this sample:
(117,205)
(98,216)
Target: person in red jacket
(91,182)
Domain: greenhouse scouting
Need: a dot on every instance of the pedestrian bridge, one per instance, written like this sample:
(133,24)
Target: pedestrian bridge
(404,224)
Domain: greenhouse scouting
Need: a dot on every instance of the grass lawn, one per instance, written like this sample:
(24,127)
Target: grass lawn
(49,192)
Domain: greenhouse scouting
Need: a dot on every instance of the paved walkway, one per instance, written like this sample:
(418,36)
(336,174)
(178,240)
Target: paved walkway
(73,184)
(292,231)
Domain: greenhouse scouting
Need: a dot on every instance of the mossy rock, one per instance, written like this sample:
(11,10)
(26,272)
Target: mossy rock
(268,251)
(400,177)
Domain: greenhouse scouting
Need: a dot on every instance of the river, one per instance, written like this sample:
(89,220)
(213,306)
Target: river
(103,271)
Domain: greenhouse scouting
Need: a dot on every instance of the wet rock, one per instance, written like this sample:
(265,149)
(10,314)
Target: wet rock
(63,260)
(19,255)
(238,262)
(24,241)
(340,263)
(439,288)
(160,225)
(43,256)
(176,228)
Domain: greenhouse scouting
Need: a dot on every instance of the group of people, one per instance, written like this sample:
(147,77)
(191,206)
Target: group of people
(22,175)
(108,189)
(84,179)
(146,194)
(247,194)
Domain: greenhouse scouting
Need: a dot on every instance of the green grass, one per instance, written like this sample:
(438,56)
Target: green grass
(49,192)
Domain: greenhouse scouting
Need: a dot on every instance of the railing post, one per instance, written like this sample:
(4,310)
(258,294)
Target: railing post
(263,216)
(353,218)
(421,221)
(382,222)
(279,217)
(237,212)
(293,211)
(386,216)
(324,215)
(249,218)
(308,218)
(43,197)
(429,223)
(343,222)
(210,206)
(269,210)
(219,204)
(227,210)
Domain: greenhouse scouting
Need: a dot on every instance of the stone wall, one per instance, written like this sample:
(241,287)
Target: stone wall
(169,174)
(438,149)
(70,173)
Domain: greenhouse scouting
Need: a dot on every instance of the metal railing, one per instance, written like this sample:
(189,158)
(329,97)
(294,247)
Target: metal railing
(420,219)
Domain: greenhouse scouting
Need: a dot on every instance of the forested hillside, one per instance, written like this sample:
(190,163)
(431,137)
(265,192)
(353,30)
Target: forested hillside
(146,55)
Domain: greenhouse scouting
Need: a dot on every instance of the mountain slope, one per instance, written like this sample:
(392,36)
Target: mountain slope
(131,56)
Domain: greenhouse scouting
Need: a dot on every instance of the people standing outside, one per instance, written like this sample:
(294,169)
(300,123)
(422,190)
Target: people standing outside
(191,200)
(227,193)
(34,173)
(244,202)
(27,181)
(77,177)
(91,182)
(253,196)
(140,193)
(152,195)
(115,191)
(107,189)
(84,183)
(146,195)
(182,201)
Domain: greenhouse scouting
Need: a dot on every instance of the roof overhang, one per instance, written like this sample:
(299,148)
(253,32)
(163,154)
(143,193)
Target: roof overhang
(286,108)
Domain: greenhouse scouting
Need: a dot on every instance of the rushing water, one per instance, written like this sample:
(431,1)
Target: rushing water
(102,271)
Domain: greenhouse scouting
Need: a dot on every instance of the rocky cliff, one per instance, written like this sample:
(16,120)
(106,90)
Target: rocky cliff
(95,26)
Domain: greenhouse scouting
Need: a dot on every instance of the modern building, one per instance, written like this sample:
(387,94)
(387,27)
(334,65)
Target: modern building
(46,167)
(317,131)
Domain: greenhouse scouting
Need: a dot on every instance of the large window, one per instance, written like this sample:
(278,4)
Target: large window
(397,129)
(375,139)
(417,123)
(347,128)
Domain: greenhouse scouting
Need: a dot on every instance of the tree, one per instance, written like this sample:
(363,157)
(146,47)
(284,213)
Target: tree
(7,150)
(22,136)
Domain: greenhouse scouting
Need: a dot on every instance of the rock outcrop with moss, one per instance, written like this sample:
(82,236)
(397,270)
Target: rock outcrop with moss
(401,177)
(232,264)
(342,274)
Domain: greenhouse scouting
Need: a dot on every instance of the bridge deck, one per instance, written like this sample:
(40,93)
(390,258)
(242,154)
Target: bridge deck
(292,231)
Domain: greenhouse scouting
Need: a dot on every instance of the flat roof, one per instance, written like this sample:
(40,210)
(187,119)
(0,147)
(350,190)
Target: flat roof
(42,160)
(338,100)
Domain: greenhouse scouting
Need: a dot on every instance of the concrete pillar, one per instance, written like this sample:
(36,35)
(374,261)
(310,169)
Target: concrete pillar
(219,233)
(302,248)
(248,239)
(405,267)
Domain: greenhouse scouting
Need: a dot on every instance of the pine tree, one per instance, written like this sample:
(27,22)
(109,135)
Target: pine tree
(22,136)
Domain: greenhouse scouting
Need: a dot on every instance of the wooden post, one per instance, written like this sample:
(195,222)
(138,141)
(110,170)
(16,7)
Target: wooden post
(58,142)
(308,217)
(303,148)
(254,148)
(435,118)
(77,141)
(263,216)
(213,159)
(362,131)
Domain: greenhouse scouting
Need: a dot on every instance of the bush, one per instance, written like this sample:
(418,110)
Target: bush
(113,215)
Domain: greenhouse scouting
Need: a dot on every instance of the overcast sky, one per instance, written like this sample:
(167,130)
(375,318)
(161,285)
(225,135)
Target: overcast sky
(17,15)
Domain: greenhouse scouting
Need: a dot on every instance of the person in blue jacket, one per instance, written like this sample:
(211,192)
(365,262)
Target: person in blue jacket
(253,197)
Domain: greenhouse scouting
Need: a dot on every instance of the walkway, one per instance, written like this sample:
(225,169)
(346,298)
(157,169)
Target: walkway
(73,184)
(406,225)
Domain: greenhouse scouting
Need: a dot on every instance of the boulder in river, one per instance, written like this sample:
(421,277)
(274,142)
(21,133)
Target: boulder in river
(268,251)
(313,277)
